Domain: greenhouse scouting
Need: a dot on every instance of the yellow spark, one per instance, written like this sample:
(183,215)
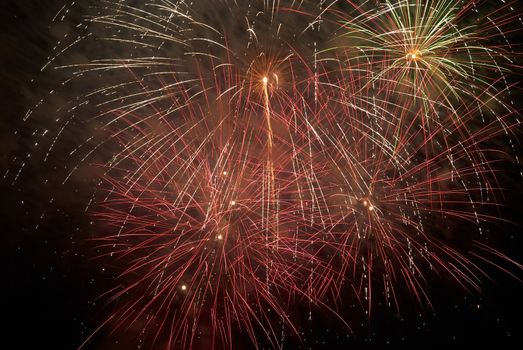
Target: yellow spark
(413,55)
(367,204)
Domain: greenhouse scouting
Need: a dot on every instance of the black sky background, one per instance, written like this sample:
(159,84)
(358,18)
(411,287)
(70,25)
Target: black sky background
(50,282)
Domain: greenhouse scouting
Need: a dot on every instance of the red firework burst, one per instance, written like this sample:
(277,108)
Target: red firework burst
(250,170)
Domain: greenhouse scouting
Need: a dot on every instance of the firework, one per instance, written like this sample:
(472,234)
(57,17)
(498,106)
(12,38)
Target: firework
(308,149)
(388,200)
(438,52)
(205,209)
(209,183)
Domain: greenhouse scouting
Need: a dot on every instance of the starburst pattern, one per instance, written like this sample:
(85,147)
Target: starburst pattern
(303,150)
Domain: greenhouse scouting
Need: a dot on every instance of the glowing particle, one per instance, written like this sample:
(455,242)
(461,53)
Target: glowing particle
(413,56)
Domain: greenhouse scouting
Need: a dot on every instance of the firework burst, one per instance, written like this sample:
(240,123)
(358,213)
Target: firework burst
(245,167)
(434,51)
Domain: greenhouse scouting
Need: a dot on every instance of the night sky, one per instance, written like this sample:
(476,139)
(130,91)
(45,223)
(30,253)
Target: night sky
(53,282)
